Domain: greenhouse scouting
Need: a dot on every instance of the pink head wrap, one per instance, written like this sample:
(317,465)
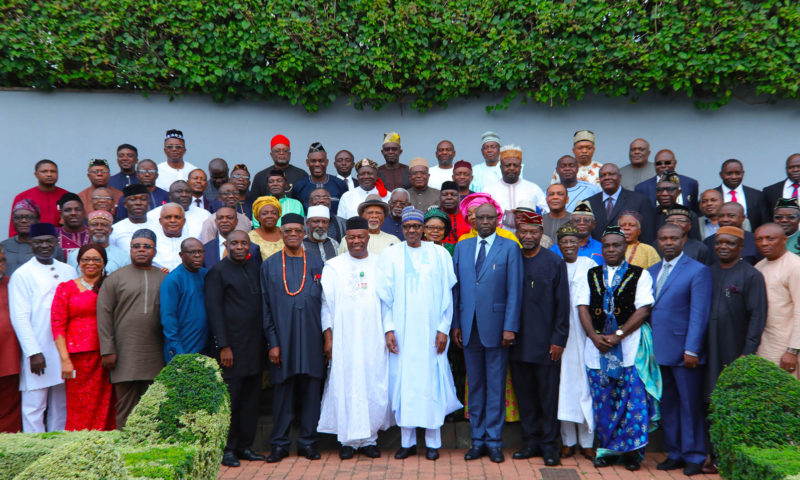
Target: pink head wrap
(477,199)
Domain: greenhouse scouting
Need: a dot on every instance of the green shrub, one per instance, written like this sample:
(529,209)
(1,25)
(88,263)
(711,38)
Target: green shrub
(755,413)
(92,457)
(163,462)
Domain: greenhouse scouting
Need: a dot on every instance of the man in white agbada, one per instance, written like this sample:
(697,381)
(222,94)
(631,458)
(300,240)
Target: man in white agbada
(414,286)
(169,236)
(574,398)
(30,293)
(511,188)
(355,403)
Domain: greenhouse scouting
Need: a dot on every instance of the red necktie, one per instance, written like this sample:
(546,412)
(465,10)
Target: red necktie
(794,192)
(733,196)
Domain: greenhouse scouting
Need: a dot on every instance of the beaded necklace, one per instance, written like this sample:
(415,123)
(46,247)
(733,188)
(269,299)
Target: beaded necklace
(286,285)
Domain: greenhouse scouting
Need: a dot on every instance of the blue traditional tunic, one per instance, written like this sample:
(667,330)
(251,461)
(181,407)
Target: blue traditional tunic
(183,312)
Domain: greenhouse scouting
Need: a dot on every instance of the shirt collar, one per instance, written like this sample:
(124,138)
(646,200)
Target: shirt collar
(672,262)
(614,195)
(489,239)
(738,189)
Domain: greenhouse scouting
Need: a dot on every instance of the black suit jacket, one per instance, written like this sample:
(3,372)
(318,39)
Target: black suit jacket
(627,200)
(772,193)
(758,211)
(689,191)
(212,253)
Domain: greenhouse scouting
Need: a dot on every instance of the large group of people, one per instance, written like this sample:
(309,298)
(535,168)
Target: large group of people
(592,311)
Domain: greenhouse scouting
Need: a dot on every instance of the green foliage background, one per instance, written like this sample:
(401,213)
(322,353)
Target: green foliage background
(422,52)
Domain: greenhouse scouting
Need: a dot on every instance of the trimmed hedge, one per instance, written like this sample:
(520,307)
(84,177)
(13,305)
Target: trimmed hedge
(189,396)
(755,421)
(419,52)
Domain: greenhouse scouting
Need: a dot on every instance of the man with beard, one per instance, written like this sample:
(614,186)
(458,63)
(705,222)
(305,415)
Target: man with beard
(574,398)
(218,176)
(512,188)
(317,242)
(292,302)
(30,293)
(336,227)
(343,162)
(422,195)
(99,225)
(583,220)
(393,174)
(227,197)
(355,404)
(317,162)
(787,215)
(169,234)
(462,175)
(368,184)
(233,306)
(147,174)
(181,194)
(640,165)
(449,200)
(583,147)
(398,200)
(72,234)
(415,287)
(535,357)
(281,155)
(127,157)
(99,175)
(577,190)
(443,172)
(375,211)
(135,202)
(175,167)
(665,162)
(780,342)
(731,214)
(45,194)
(183,313)
(693,248)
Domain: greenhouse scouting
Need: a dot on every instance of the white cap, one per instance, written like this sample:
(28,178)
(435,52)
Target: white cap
(318,211)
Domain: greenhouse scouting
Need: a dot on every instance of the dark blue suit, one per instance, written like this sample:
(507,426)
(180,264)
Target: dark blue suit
(212,252)
(689,190)
(487,303)
(679,318)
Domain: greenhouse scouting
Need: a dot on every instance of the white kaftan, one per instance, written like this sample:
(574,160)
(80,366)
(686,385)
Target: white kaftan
(355,403)
(415,291)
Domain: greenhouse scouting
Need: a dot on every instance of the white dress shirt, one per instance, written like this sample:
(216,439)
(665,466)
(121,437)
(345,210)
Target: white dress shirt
(167,174)
(740,199)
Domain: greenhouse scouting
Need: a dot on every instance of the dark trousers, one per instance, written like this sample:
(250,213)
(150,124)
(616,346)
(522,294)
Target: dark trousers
(486,374)
(128,395)
(10,404)
(536,387)
(245,395)
(306,391)
(682,413)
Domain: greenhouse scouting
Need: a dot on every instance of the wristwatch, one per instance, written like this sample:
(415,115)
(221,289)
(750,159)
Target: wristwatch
(619,332)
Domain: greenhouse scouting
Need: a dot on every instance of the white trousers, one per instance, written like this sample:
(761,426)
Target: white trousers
(408,437)
(53,401)
(570,438)
(362,442)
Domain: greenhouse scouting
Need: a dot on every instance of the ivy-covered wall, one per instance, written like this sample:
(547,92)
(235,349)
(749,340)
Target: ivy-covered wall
(422,52)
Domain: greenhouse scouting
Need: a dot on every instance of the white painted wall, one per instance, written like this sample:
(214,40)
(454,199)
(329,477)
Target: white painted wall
(71,127)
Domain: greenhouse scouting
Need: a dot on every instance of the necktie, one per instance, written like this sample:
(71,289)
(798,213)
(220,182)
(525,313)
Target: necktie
(481,257)
(663,278)
(794,192)
(733,196)
(198,202)
(225,252)
(609,207)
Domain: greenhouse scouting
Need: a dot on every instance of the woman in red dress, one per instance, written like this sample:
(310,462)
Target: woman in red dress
(74,319)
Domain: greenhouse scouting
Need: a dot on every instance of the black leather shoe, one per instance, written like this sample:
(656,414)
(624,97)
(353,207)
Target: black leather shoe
(250,455)
(632,462)
(692,469)
(229,459)
(496,455)
(277,454)
(604,461)
(404,452)
(526,452)
(309,452)
(432,454)
(346,453)
(551,460)
(371,451)
(671,464)
(475,453)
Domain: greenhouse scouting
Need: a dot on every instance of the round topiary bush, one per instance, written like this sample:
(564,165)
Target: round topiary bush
(92,457)
(755,404)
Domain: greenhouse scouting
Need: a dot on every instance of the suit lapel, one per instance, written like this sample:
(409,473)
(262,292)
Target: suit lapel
(673,275)
(617,205)
(490,255)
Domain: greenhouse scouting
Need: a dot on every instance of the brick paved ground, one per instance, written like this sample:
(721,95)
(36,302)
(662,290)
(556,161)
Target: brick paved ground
(450,465)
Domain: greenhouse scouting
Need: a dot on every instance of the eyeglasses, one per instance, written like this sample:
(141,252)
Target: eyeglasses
(238,176)
(666,189)
(174,147)
(412,226)
(101,223)
(230,193)
(194,253)
(434,228)
(91,260)
(486,217)
(661,164)
(97,197)
(141,246)
(568,243)
(399,203)
(785,217)
(147,171)
(98,171)
(280,151)
(28,218)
